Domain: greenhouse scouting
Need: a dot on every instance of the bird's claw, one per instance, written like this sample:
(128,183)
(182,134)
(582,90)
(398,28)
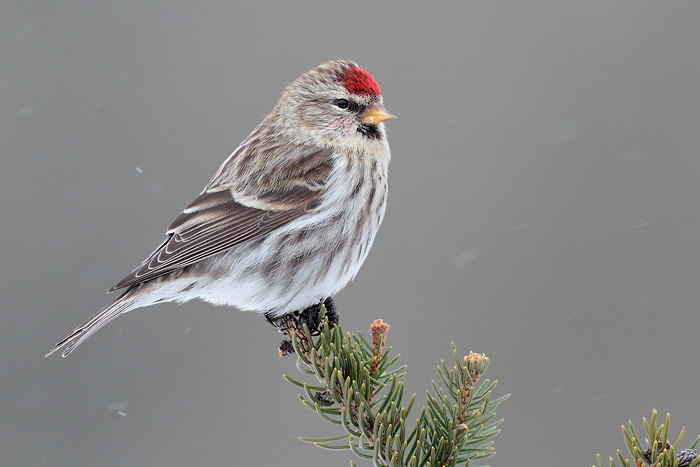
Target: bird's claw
(309,317)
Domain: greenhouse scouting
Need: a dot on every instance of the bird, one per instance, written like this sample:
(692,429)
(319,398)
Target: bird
(288,218)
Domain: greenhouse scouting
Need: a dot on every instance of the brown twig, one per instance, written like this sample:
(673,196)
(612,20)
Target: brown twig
(292,327)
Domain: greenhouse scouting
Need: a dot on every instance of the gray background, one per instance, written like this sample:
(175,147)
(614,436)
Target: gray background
(543,209)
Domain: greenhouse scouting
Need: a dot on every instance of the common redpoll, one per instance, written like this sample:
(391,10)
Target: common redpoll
(288,219)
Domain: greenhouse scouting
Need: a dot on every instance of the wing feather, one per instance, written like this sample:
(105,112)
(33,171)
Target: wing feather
(222,217)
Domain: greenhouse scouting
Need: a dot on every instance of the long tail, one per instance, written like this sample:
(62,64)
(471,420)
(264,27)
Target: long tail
(127,301)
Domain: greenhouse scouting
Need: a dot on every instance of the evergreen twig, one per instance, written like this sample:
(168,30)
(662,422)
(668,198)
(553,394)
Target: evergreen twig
(659,452)
(360,388)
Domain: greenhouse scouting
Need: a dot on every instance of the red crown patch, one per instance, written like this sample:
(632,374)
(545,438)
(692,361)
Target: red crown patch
(358,81)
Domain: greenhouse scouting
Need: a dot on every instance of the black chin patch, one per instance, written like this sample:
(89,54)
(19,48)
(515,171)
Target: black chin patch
(369,131)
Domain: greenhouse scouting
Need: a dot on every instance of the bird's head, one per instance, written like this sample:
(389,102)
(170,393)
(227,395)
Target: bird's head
(337,104)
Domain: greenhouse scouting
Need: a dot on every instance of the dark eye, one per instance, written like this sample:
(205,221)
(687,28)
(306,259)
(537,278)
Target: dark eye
(342,103)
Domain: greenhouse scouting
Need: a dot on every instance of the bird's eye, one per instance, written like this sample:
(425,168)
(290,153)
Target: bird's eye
(342,103)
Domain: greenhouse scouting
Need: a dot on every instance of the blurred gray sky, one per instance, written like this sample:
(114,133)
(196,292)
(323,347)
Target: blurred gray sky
(543,209)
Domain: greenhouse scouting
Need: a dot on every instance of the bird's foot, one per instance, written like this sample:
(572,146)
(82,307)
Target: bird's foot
(312,319)
(331,312)
(294,322)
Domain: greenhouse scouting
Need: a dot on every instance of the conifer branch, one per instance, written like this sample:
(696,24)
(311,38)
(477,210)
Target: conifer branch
(659,452)
(360,388)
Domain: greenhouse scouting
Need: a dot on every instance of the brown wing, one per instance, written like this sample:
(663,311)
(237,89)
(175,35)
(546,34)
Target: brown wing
(217,220)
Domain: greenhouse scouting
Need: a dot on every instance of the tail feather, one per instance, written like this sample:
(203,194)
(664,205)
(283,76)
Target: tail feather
(127,301)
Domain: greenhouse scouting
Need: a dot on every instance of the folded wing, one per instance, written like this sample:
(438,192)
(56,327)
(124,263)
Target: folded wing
(227,214)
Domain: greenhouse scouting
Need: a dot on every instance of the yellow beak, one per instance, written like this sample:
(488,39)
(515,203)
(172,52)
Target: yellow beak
(375,115)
